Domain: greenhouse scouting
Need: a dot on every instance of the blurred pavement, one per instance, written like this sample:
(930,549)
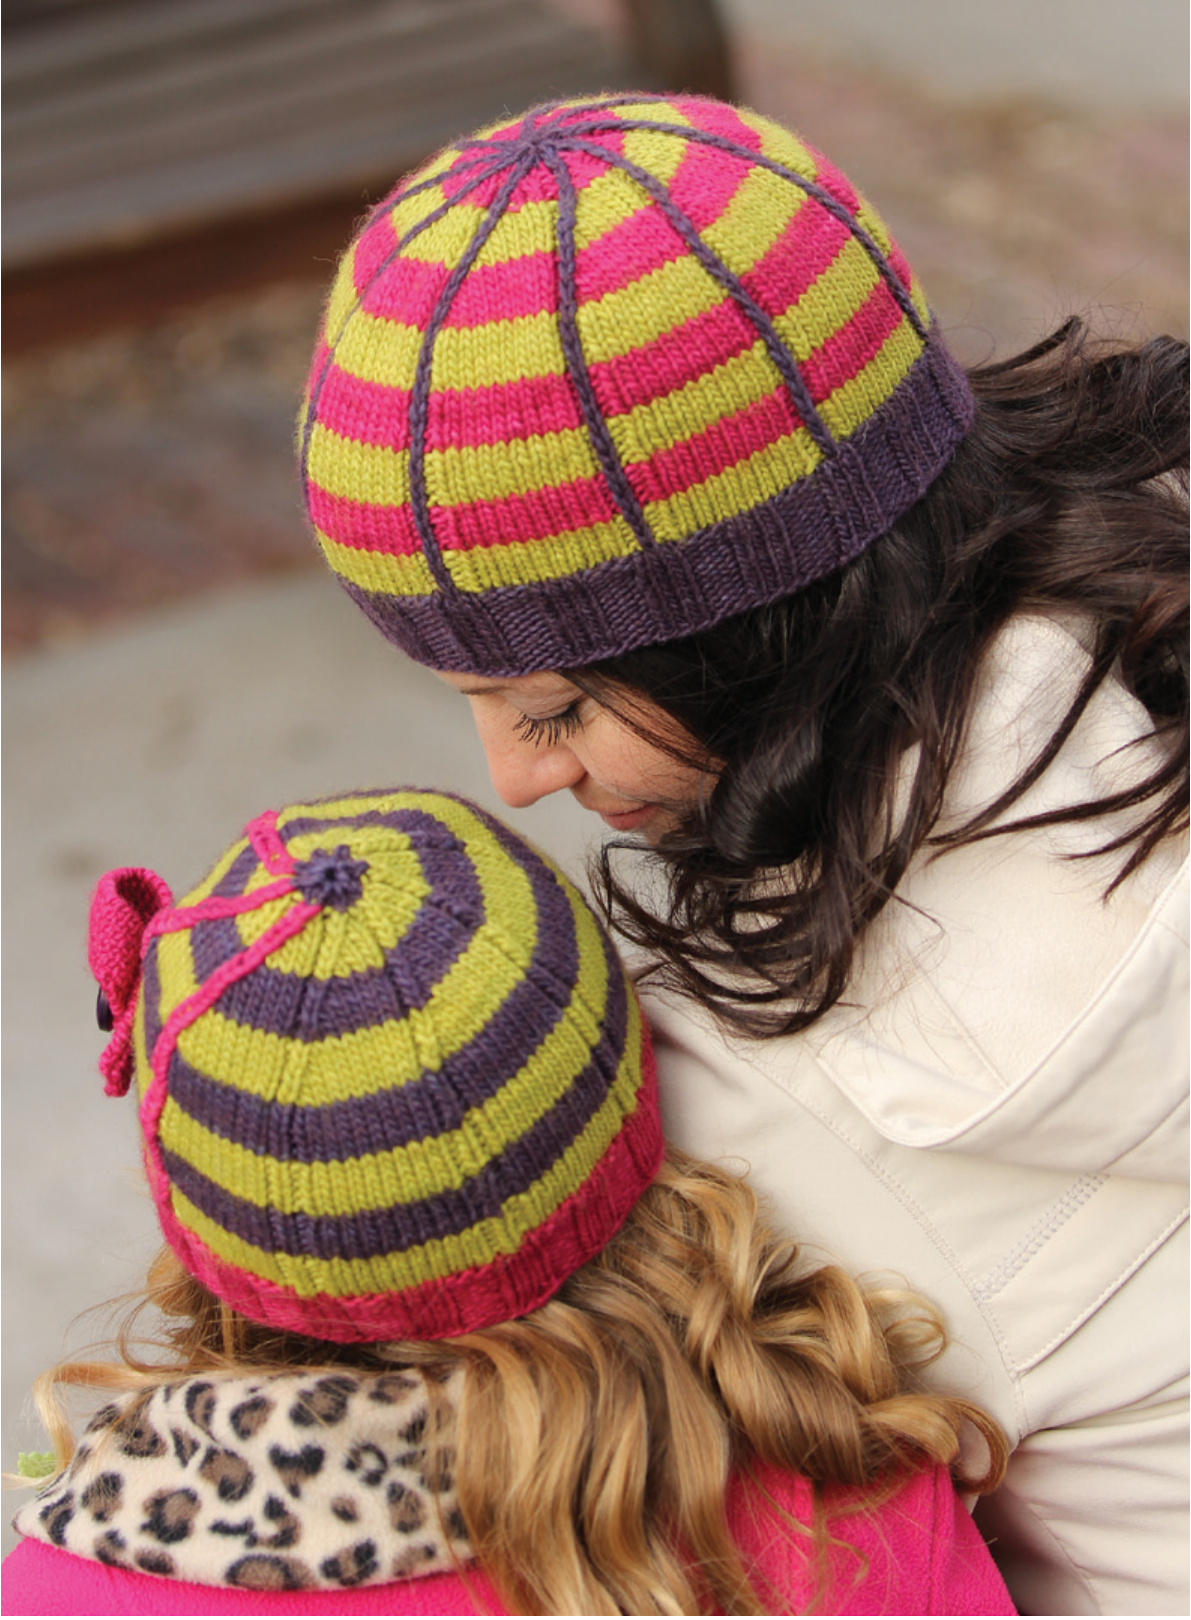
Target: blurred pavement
(153,745)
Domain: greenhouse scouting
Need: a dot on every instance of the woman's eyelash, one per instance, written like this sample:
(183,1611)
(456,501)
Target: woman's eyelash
(552,729)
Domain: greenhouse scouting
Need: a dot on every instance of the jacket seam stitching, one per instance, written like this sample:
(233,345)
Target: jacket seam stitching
(1051,1221)
(1105,1293)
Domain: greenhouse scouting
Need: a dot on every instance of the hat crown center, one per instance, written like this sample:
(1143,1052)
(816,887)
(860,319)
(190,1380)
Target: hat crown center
(331,878)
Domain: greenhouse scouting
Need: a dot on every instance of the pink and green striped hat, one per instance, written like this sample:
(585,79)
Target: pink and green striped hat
(606,374)
(393,1079)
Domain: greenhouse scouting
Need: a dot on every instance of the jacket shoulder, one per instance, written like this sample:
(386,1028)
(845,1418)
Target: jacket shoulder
(915,1552)
(44,1580)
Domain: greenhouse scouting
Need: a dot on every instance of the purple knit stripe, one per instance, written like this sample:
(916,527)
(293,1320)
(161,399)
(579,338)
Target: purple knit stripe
(215,941)
(423,825)
(374,1232)
(301,1009)
(757,556)
(823,197)
(333,342)
(420,395)
(443,930)
(235,880)
(149,993)
(783,360)
(619,487)
(437,1100)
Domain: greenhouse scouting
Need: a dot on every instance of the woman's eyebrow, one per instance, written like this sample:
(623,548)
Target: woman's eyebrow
(498,687)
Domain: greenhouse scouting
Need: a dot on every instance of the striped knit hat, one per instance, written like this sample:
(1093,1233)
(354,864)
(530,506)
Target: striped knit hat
(394,1081)
(609,373)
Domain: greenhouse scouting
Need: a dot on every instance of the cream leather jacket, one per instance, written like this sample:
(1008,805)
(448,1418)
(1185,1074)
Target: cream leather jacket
(999,1117)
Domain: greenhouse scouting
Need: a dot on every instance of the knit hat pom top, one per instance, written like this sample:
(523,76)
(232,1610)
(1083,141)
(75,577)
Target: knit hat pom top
(609,373)
(393,1079)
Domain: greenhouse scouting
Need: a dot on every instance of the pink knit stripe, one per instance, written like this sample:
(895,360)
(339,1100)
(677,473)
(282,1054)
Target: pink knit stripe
(453,180)
(837,183)
(851,348)
(691,349)
(538,185)
(322,354)
(509,1286)
(706,181)
(899,266)
(364,412)
(376,414)
(627,252)
(502,292)
(535,516)
(733,438)
(387,529)
(809,245)
(409,295)
(375,244)
(718,118)
(612,137)
(185,1013)
(501,413)
(215,908)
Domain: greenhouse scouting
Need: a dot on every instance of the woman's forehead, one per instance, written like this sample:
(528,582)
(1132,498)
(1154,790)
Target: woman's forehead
(546,683)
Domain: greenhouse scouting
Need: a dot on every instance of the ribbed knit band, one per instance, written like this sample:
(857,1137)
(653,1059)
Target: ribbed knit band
(605,375)
(393,1078)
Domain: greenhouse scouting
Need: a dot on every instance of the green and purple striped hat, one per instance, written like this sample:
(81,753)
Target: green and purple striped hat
(606,374)
(393,1079)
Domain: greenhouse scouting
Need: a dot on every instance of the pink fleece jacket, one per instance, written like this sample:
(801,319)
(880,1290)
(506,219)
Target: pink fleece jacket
(919,1553)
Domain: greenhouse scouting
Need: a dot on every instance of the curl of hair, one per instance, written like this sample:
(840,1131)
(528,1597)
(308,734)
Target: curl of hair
(1069,494)
(596,1437)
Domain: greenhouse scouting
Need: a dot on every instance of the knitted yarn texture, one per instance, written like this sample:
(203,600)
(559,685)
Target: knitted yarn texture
(606,374)
(393,1079)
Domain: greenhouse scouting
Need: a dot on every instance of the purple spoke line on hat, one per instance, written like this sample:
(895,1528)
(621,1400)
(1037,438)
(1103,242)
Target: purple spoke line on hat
(786,365)
(188,1011)
(705,137)
(631,98)
(419,403)
(432,179)
(435,214)
(617,478)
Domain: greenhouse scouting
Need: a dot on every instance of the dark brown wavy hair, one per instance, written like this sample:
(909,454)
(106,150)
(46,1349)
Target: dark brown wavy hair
(1068,494)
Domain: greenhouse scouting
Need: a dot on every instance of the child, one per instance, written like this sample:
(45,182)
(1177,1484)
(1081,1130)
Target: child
(446,1328)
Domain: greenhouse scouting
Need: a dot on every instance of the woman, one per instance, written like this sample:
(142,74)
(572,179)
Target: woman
(630,419)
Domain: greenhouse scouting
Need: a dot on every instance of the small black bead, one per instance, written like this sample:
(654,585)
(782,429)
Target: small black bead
(103,1013)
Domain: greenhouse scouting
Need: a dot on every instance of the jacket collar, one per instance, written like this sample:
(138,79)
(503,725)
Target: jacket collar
(289,1482)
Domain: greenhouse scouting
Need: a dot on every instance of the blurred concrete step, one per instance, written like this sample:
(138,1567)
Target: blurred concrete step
(124,119)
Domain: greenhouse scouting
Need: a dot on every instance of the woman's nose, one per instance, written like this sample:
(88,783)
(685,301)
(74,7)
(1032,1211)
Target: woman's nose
(523,773)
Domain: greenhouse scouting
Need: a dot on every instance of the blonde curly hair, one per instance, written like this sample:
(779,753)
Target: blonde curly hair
(595,1438)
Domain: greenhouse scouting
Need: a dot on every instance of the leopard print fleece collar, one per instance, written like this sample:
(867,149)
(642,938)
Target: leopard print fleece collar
(278,1483)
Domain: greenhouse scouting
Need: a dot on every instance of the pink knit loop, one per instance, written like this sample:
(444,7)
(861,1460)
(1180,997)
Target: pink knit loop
(124,903)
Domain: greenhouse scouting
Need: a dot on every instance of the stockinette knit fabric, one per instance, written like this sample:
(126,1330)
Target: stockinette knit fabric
(393,1079)
(606,374)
